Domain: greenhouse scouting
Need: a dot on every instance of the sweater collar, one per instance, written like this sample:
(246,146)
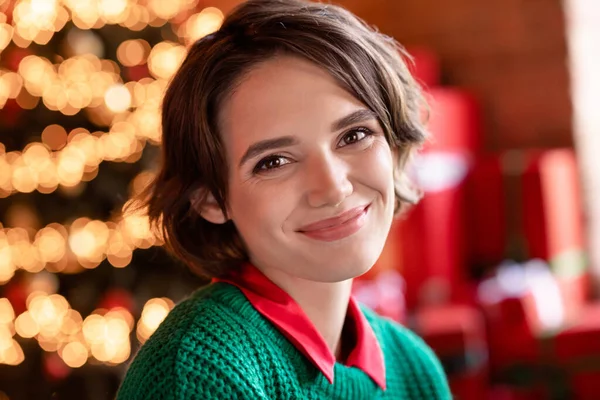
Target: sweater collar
(286,315)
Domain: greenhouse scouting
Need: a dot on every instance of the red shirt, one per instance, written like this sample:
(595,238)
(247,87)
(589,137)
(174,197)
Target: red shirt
(278,307)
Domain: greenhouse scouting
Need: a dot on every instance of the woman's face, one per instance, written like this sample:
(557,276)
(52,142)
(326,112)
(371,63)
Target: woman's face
(311,187)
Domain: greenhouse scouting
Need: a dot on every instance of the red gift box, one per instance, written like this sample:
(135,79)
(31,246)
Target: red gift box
(585,385)
(432,240)
(457,335)
(526,204)
(552,212)
(510,337)
(432,233)
(486,219)
(577,350)
(542,304)
(582,339)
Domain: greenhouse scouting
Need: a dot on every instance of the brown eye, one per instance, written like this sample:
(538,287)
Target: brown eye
(354,136)
(270,163)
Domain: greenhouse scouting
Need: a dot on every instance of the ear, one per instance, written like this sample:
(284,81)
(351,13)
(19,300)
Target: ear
(207,207)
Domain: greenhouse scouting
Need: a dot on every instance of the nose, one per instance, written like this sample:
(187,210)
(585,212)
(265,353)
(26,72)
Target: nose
(327,181)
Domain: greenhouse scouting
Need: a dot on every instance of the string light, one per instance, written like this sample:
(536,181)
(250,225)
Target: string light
(124,141)
(89,241)
(38,20)
(74,84)
(50,320)
(39,168)
(85,81)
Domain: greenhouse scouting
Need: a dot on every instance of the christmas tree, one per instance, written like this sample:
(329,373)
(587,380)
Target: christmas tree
(82,285)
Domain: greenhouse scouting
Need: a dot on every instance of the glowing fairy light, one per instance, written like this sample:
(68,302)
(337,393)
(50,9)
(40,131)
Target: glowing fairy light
(164,9)
(133,52)
(6,34)
(154,312)
(74,354)
(51,244)
(26,326)
(54,136)
(199,25)
(113,11)
(76,83)
(107,336)
(66,166)
(90,241)
(7,314)
(7,264)
(117,98)
(10,83)
(137,18)
(10,351)
(165,58)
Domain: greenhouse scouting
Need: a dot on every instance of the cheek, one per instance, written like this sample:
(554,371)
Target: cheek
(380,170)
(256,206)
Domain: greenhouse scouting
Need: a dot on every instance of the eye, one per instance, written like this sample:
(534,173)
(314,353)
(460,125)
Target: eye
(354,135)
(270,163)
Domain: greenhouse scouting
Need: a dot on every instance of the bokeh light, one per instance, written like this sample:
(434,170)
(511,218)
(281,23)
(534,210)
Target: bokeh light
(117,98)
(74,354)
(165,58)
(201,24)
(62,158)
(133,52)
(153,314)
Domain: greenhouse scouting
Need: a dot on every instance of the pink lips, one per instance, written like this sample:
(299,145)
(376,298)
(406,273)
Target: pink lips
(339,227)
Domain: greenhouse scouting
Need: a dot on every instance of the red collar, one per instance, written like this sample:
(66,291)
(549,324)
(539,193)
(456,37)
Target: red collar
(283,312)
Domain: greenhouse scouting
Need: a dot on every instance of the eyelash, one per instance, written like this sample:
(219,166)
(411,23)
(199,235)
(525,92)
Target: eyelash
(259,168)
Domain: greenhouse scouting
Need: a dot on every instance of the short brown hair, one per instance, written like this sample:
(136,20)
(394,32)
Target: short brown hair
(368,64)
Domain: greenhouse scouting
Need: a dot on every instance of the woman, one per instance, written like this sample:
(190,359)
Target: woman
(284,138)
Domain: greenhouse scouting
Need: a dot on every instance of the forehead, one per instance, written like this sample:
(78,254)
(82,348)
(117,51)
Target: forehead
(283,96)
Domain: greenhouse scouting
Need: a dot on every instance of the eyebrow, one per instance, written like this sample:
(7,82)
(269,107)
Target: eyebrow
(357,116)
(284,141)
(268,144)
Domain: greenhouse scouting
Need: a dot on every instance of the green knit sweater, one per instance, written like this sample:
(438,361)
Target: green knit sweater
(215,345)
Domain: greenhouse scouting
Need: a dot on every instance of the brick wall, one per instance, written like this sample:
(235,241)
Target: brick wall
(511,53)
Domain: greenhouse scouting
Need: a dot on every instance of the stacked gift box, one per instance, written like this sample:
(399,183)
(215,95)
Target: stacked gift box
(518,329)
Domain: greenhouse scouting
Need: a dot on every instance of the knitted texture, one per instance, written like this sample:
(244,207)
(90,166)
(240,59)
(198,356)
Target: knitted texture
(215,345)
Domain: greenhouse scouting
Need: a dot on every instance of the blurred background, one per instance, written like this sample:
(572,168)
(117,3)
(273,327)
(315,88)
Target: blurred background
(497,268)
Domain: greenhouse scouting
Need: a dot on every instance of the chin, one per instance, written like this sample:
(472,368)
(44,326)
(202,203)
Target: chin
(342,270)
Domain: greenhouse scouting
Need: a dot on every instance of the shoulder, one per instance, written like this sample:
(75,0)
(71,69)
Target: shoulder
(191,355)
(407,355)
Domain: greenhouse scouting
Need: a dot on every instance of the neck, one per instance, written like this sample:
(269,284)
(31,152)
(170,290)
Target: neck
(324,303)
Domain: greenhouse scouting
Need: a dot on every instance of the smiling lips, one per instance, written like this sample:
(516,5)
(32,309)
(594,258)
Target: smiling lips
(338,227)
